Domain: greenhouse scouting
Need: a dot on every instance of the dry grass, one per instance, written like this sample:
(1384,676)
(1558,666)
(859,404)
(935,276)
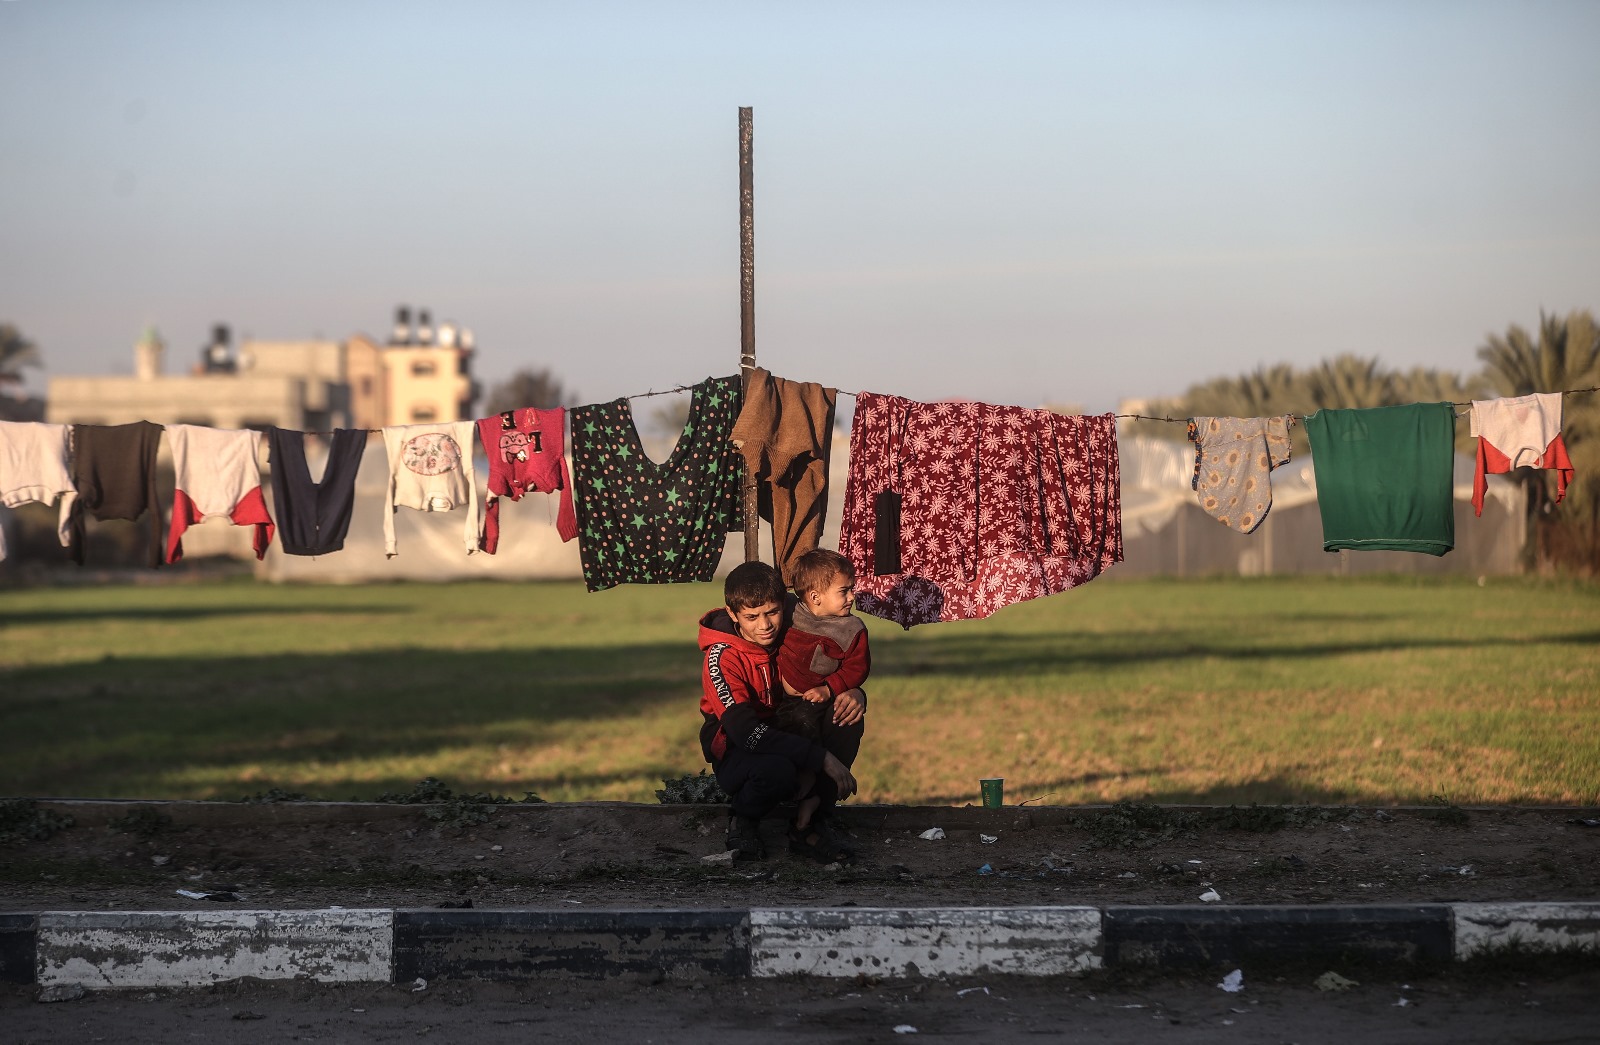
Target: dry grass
(1302,690)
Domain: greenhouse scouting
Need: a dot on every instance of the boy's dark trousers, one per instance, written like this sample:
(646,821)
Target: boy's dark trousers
(757,782)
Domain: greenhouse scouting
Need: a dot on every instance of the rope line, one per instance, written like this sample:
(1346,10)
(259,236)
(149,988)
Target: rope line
(1302,417)
(1134,417)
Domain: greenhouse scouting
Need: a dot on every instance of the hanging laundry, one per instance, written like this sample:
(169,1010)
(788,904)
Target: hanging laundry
(114,470)
(524,448)
(996,505)
(216,474)
(644,522)
(1524,432)
(33,467)
(314,518)
(1384,477)
(1233,462)
(785,434)
(431,470)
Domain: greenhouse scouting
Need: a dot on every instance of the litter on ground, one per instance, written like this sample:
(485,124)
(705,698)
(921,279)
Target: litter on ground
(1332,981)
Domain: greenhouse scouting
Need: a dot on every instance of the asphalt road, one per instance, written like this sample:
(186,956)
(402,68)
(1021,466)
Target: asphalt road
(1454,1009)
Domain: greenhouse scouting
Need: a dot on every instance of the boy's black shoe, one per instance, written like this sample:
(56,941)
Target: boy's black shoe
(841,835)
(744,838)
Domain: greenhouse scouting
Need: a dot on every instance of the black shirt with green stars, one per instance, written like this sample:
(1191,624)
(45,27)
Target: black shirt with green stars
(643,522)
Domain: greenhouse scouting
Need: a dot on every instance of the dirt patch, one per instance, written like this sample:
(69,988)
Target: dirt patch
(136,856)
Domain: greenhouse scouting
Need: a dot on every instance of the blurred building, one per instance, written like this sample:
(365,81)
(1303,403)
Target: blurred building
(419,374)
(294,384)
(423,374)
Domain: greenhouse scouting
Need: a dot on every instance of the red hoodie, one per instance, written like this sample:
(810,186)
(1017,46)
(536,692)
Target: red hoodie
(739,693)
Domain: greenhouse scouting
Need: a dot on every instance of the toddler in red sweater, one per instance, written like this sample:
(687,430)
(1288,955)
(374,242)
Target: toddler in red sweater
(824,659)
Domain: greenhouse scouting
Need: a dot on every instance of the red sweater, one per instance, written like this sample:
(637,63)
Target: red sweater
(739,695)
(524,451)
(824,650)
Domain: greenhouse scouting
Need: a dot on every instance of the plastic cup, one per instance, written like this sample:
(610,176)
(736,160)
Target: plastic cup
(994,792)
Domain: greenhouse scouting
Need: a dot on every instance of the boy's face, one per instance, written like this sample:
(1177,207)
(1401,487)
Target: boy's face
(758,624)
(835,598)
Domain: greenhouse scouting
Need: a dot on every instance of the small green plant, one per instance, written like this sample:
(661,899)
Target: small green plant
(430,789)
(450,809)
(701,790)
(144,822)
(1441,809)
(1137,825)
(21,820)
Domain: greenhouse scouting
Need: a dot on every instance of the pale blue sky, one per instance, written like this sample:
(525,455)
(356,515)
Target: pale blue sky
(1020,202)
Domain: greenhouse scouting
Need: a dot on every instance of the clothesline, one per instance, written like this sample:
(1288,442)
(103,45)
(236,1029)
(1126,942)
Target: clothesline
(1135,417)
(628,498)
(1301,417)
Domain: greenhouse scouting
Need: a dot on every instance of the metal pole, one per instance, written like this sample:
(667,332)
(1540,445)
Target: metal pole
(747,311)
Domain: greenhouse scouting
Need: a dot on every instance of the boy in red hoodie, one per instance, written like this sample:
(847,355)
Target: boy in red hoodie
(755,762)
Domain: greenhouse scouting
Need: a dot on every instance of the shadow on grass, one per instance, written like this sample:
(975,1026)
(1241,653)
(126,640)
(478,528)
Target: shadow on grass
(97,728)
(181,613)
(235,724)
(990,655)
(1282,788)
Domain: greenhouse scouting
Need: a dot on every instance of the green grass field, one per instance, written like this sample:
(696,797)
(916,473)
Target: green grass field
(1280,690)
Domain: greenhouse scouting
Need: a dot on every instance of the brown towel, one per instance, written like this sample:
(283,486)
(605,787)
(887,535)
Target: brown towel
(114,469)
(785,432)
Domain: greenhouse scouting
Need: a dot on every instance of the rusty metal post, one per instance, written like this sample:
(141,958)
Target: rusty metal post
(747,311)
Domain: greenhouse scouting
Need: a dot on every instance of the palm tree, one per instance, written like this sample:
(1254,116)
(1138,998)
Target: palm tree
(1261,393)
(16,352)
(1351,382)
(1426,385)
(1565,355)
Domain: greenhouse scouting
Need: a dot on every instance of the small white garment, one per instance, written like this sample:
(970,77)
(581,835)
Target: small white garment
(1522,428)
(33,467)
(430,469)
(216,472)
(216,467)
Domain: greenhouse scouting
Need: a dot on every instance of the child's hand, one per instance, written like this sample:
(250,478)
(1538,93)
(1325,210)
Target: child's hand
(848,708)
(840,774)
(817,695)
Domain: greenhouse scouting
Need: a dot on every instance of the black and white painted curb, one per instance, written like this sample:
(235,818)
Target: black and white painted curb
(109,950)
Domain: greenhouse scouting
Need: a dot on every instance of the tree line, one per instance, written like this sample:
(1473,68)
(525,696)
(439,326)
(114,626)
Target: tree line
(1562,353)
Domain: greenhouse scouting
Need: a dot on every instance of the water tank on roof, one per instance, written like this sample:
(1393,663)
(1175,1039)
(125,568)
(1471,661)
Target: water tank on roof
(401,333)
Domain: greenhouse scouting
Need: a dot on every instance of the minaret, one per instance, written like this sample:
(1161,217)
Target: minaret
(147,355)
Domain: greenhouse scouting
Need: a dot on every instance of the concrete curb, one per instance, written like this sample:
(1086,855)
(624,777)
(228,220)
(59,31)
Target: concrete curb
(108,950)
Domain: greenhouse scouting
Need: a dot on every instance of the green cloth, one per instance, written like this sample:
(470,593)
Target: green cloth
(644,522)
(1384,477)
